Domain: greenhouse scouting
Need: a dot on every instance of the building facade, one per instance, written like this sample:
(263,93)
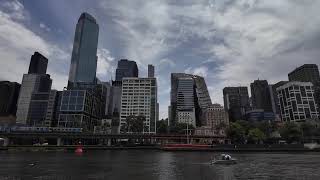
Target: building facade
(150,71)
(236,102)
(308,73)
(261,97)
(126,68)
(193,86)
(82,108)
(9,93)
(31,85)
(259,115)
(275,100)
(139,98)
(84,54)
(297,101)
(38,64)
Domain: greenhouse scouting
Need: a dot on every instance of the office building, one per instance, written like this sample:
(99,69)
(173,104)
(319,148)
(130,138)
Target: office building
(84,54)
(259,115)
(126,68)
(236,102)
(139,98)
(38,64)
(35,86)
(305,73)
(150,71)
(9,93)
(275,100)
(82,107)
(196,97)
(308,73)
(297,101)
(260,94)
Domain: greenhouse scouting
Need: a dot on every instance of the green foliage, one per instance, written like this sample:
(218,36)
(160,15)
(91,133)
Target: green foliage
(162,127)
(135,123)
(236,132)
(256,135)
(308,129)
(291,132)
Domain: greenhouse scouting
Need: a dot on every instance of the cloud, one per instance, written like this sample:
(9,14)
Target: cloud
(200,71)
(17,44)
(104,66)
(45,27)
(14,9)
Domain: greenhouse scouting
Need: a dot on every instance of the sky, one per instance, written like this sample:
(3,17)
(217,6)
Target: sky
(228,42)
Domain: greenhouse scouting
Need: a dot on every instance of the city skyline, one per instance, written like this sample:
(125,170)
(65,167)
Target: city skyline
(163,44)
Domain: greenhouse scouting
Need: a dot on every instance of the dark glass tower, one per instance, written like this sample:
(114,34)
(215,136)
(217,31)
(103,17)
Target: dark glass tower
(236,102)
(38,64)
(84,55)
(260,94)
(126,68)
(9,93)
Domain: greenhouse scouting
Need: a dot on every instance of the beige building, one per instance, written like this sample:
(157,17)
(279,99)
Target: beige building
(216,119)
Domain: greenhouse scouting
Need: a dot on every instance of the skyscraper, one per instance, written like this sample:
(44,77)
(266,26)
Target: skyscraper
(261,95)
(35,87)
(200,93)
(150,71)
(126,68)
(84,54)
(236,102)
(38,64)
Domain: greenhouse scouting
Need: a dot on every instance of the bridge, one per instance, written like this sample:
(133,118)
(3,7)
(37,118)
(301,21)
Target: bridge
(14,137)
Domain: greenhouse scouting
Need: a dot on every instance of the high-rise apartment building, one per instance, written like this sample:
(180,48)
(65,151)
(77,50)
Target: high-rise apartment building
(84,54)
(260,93)
(139,98)
(38,64)
(126,68)
(297,101)
(150,71)
(236,102)
(192,84)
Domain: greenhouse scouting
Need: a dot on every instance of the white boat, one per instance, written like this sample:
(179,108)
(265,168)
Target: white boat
(224,159)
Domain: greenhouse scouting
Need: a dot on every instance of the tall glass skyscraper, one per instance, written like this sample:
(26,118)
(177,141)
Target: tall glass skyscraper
(84,55)
(126,68)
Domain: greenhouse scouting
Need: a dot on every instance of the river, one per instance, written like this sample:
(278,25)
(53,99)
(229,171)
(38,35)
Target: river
(156,165)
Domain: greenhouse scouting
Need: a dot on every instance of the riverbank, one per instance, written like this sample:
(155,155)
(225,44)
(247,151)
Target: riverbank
(217,148)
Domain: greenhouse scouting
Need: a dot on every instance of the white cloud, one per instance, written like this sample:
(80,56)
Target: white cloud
(104,66)
(17,44)
(45,27)
(200,71)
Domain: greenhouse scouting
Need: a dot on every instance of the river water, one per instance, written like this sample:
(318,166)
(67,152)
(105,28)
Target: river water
(152,165)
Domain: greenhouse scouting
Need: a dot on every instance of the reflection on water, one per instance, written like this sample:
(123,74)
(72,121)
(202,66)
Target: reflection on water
(137,164)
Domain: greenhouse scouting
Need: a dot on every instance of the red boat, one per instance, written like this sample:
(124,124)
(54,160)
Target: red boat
(79,149)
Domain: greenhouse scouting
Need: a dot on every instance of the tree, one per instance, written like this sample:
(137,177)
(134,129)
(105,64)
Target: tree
(256,135)
(135,123)
(236,133)
(308,129)
(162,126)
(291,132)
